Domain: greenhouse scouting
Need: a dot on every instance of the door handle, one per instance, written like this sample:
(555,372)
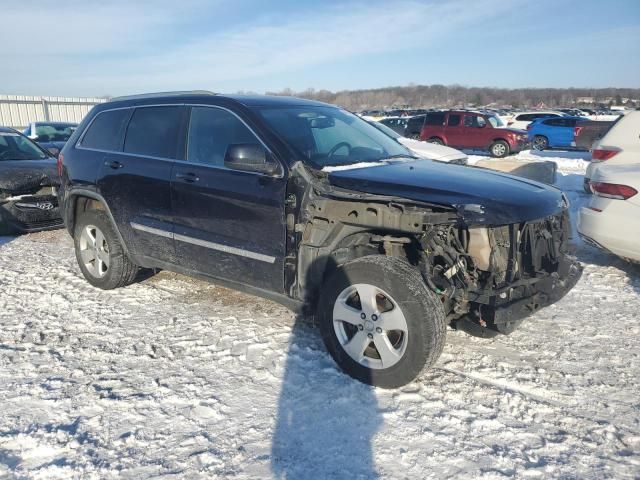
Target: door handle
(187,177)
(113,164)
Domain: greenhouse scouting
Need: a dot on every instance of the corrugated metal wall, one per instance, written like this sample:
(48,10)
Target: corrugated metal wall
(18,110)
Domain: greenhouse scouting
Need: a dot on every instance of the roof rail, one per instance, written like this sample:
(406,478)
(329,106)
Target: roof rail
(163,94)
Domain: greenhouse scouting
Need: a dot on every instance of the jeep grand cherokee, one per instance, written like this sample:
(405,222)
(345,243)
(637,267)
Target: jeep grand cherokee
(309,205)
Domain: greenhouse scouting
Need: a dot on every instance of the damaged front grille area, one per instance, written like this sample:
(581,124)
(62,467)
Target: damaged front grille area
(492,278)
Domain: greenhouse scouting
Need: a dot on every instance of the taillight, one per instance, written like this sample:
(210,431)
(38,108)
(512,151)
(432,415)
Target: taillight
(613,190)
(601,154)
(576,131)
(60,160)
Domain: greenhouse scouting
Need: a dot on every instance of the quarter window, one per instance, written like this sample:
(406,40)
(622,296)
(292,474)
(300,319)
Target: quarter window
(106,130)
(211,131)
(154,131)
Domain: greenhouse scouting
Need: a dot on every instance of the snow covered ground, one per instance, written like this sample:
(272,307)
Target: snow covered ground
(176,378)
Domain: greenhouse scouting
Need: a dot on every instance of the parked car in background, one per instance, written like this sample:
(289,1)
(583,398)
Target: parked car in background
(588,131)
(307,204)
(572,112)
(473,130)
(28,182)
(522,119)
(50,135)
(620,145)
(553,132)
(612,219)
(397,124)
(414,126)
(426,150)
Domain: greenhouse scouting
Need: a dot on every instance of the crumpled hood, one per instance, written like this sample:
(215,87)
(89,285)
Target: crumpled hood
(19,177)
(481,196)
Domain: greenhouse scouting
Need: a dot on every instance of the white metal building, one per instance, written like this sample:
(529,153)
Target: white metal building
(18,111)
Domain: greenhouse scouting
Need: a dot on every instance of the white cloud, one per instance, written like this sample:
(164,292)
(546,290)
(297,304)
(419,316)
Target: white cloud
(123,46)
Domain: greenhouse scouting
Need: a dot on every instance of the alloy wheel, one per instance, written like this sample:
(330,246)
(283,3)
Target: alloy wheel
(370,326)
(94,251)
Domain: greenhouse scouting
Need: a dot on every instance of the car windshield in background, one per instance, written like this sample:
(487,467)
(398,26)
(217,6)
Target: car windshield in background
(327,136)
(495,122)
(54,132)
(14,146)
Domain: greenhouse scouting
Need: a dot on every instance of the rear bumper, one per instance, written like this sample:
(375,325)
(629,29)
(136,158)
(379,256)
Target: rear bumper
(614,229)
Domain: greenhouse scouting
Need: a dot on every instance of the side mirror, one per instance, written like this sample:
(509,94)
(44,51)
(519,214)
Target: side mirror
(249,157)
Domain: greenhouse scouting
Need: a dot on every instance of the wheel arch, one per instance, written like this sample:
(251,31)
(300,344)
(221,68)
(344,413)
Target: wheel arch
(81,200)
(317,264)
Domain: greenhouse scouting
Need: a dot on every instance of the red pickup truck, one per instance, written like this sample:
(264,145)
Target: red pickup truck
(473,130)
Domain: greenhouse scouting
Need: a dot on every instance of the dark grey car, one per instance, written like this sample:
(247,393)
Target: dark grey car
(28,182)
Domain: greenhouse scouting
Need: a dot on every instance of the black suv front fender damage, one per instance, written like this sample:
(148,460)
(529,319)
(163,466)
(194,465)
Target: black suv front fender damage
(530,265)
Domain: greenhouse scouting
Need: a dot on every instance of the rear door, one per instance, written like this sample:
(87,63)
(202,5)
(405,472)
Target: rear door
(475,133)
(228,224)
(136,180)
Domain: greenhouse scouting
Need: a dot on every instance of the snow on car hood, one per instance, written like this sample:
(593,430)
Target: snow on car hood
(431,150)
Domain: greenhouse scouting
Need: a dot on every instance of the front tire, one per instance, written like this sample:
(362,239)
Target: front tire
(380,322)
(100,254)
(499,149)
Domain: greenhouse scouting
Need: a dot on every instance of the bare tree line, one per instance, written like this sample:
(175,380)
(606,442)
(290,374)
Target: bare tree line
(427,96)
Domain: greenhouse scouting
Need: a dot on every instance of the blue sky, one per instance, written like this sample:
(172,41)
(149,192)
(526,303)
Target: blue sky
(85,48)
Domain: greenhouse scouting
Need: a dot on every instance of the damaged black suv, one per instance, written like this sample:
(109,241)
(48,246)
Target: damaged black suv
(309,205)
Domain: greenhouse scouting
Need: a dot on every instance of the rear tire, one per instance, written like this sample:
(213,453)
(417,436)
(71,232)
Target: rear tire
(499,149)
(380,322)
(436,141)
(540,143)
(100,254)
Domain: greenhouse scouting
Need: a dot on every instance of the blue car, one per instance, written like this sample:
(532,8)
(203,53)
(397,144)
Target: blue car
(554,132)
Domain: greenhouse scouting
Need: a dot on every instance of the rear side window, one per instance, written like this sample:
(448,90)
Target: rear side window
(106,130)
(435,119)
(454,120)
(525,117)
(154,131)
(211,131)
(555,122)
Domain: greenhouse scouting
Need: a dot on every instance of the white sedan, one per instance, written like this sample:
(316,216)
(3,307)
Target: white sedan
(426,150)
(612,219)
